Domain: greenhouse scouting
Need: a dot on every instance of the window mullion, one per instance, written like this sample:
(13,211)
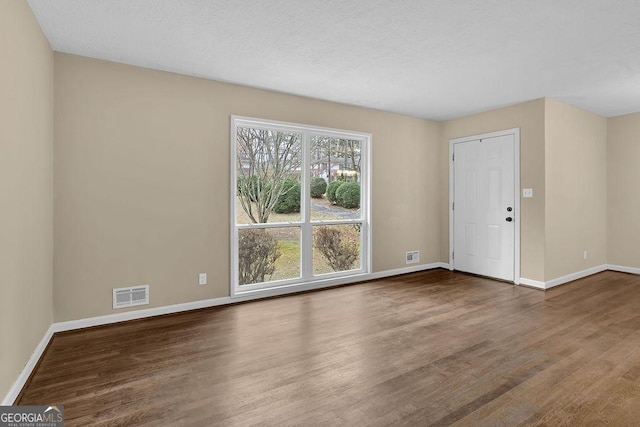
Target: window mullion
(307,234)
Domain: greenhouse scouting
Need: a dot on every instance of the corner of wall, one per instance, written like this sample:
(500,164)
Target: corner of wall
(576,197)
(26,165)
(623,191)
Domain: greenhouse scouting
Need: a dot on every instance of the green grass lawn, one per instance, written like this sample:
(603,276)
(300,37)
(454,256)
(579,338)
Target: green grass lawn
(288,264)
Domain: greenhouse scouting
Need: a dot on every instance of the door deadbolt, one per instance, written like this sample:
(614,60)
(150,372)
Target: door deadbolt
(509,209)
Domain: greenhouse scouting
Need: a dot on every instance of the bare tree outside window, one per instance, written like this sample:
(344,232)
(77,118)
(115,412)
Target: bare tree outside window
(265,159)
(268,163)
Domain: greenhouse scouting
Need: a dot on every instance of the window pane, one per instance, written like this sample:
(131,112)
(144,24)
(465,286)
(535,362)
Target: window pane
(268,254)
(335,163)
(336,248)
(268,175)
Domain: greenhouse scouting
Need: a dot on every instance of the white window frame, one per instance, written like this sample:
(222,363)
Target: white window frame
(306,280)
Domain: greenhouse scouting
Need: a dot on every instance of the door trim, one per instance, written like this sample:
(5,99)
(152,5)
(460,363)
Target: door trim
(516,250)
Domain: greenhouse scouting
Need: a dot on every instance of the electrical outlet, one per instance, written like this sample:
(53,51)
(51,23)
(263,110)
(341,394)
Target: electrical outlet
(202,279)
(584,255)
(412,257)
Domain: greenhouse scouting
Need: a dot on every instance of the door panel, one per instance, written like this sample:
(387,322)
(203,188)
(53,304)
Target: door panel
(484,241)
(494,243)
(495,187)
(470,234)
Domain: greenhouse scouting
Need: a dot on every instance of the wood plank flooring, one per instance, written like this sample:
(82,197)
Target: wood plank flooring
(433,348)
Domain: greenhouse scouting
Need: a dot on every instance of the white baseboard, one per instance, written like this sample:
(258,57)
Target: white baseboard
(564,279)
(622,269)
(407,270)
(17,386)
(575,276)
(445,265)
(138,314)
(532,283)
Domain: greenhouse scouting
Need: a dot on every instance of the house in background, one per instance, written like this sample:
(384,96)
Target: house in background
(116,173)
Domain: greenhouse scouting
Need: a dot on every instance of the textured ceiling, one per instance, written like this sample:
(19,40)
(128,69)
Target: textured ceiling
(435,59)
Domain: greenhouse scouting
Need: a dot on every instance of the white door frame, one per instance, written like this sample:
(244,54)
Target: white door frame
(516,250)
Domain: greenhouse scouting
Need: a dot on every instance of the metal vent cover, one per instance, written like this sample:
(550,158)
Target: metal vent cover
(132,296)
(413,257)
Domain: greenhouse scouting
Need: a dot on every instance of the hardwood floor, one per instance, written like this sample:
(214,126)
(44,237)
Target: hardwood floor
(433,348)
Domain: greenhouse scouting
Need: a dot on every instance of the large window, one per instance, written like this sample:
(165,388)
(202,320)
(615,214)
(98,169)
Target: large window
(300,204)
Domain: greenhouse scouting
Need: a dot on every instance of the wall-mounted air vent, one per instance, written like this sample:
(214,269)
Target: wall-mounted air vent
(128,297)
(413,257)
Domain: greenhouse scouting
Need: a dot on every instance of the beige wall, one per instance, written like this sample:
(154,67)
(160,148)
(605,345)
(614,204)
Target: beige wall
(26,142)
(142,181)
(576,189)
(623,160)
(529,117)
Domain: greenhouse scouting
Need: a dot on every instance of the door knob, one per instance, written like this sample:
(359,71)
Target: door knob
(509,219)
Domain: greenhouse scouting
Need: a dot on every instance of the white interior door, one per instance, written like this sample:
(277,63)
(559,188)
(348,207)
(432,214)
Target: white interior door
(484,206)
